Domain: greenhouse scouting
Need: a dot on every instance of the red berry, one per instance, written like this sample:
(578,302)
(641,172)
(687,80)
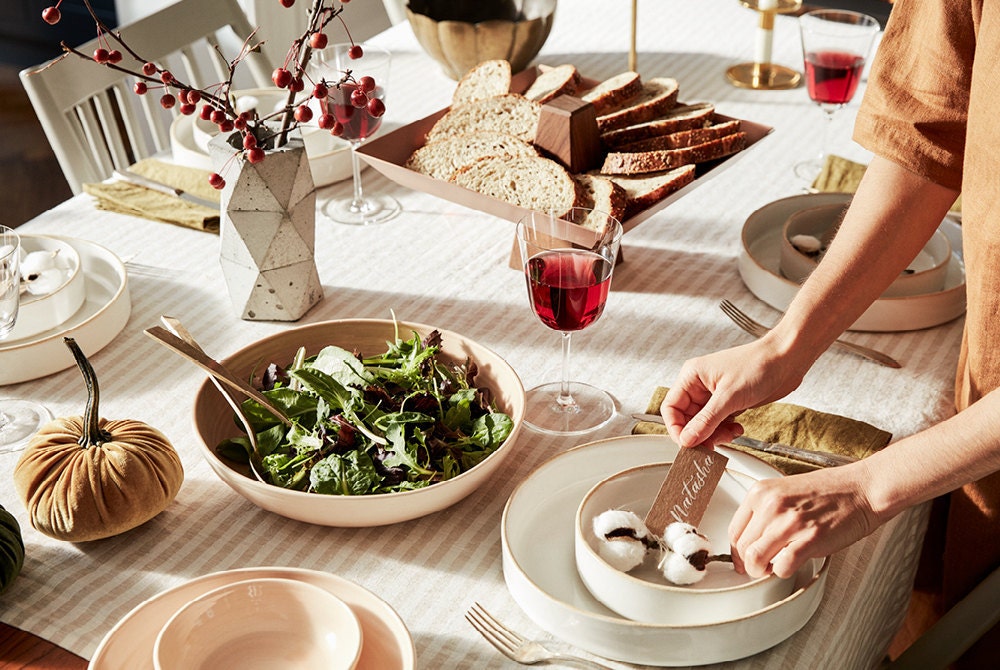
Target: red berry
(187,109)
(287,3)
(249,141)
(239,123)
(303,114)
(194,96)
(51,15)
(255,155)
(216,180)
(148,69)
(366,84)
(182,95)
(140,88)
(217,116)
(167,101)
(320,91)
(227,126)
(355,52)
(101,55)
(166,77)
(337,129)
(206,112)
(358,98)
(281,77)
(297,84)
(376,107)
(318,41)
(326,121)
(114,56)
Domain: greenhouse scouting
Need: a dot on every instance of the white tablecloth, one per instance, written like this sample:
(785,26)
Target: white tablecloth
(443,264)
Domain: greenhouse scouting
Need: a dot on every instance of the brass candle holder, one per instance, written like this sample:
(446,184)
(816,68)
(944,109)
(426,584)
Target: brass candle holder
(762,73)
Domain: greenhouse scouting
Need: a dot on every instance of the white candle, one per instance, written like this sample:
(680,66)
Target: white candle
(765,31)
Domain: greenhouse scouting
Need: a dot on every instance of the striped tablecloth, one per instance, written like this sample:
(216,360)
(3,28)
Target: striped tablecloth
(443,264)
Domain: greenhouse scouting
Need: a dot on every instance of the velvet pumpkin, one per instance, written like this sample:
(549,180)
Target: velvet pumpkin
(85,478)
(11,549)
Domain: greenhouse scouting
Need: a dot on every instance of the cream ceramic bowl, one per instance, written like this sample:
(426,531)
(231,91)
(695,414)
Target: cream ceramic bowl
(261,624)
(44,311)
(643,594)
(925,274)
(213,421)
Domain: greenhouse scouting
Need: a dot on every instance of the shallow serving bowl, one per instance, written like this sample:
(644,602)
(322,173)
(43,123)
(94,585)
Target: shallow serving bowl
(213,421)
(41,312)
(643,594)
(925,274)
(261,623)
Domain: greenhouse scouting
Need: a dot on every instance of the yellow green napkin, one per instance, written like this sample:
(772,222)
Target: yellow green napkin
(840,175)
(795,425)
(125,198)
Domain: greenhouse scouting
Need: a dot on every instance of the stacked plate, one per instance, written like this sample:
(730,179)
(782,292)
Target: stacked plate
(537,534)
(369,634)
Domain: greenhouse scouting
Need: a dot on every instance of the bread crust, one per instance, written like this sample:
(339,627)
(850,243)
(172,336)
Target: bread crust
(659,95)
(684,117)
(684,138)
(654,161)
(613,93)
(642,191)
(605,197)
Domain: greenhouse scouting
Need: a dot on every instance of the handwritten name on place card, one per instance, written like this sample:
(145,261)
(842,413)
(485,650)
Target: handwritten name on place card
(687,488)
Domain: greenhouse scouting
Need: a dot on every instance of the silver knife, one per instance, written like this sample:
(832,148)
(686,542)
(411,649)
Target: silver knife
(152,184)
(820,458)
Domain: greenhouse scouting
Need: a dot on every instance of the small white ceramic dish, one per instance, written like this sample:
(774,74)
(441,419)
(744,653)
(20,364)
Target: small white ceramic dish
(40,312)
(387,644)
(540,570)
(265,624)
(102,316)
(643,594)
(925,274)
(759,267)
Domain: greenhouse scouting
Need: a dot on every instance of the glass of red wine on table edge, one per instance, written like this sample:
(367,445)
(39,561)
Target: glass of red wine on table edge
(567,286)
(835,45)
(356,108)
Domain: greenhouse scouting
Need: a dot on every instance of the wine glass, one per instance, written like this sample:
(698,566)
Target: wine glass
(19,419)
(358,123)
(835,45)
(567,287)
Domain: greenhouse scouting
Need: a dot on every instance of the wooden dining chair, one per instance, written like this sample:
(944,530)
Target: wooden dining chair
(90,115)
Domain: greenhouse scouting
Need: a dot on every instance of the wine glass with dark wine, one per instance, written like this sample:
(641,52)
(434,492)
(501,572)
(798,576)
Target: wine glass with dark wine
(568,286)
(19,419)
(835,45)
(356,106)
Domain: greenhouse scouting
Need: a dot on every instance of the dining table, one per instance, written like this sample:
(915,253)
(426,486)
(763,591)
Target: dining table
(448,265)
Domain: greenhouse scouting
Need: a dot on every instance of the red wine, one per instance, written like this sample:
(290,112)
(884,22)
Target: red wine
(568,289)
(833,76)
(358,123)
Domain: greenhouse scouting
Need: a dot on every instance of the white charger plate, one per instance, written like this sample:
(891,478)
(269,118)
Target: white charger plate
(387,644)
(760,259)
(102,316)
(537,537)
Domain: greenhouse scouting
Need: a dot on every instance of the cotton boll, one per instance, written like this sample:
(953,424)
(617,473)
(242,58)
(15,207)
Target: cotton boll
(689,544)
(677,570)
(46,282)
(37,262)
(622,553)
(607,523)
(807,244)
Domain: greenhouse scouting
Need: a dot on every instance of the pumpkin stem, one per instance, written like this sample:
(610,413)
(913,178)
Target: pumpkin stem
(92,434)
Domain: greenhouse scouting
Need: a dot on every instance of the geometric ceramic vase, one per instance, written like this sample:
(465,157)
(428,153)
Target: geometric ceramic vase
(268,231)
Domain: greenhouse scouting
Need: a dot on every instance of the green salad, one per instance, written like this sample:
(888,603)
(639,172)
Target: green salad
(397,421)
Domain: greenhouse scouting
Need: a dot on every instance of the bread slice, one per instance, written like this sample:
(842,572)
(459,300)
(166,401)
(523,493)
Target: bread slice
(682,117)
(440,159)
(532,182)
(658,96)
(485,80)
(641,162)
(511,114)
(613,93)
(684,138)
(642,191)
(553,82)
(604,197)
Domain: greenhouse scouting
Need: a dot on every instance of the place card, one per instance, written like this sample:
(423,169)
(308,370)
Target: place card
(687,489)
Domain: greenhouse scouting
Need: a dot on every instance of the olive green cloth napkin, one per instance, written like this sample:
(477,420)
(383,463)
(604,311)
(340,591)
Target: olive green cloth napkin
(795,425)
(125,198)
(840,175)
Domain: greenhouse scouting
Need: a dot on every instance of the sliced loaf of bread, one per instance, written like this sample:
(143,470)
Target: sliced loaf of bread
(684,138)
(614,92)
(604,197)
(643,191)
(486,80)
(553,82)
(659,95)
(511,114)
(532,182)
(682,117)
(641,162)
(440,159)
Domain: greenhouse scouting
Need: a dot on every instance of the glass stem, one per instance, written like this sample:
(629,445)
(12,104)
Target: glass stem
(358,203)
(824,149)
(565,399)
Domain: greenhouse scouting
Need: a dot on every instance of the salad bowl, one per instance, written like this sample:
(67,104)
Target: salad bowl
(214,423)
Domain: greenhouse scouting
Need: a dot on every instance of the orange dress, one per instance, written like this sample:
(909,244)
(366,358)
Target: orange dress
(932,106)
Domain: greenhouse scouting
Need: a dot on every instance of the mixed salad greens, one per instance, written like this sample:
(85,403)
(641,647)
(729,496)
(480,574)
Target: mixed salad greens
(397,421)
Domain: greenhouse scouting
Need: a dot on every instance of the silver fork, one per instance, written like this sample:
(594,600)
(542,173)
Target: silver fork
(518,648)
(758,329)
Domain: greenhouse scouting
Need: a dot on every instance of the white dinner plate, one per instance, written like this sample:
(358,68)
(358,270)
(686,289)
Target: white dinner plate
(760,259)
(104,313)
(537,536)
(387,644)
